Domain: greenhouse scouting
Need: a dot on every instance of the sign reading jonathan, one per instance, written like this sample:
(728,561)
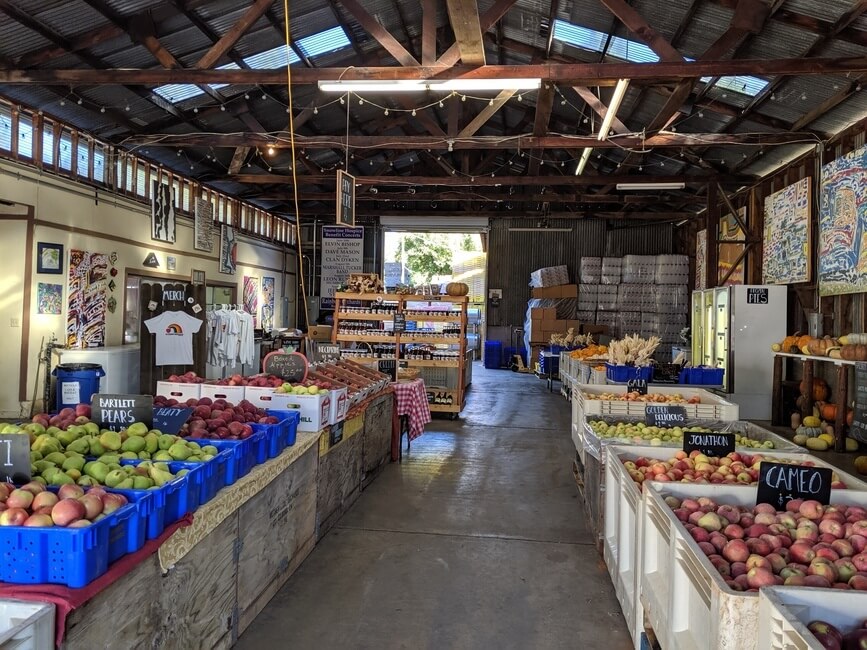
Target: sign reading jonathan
(15,458)
(116,412)
(315,410)
(170,419)
(709,444)
(664,416)
(779,484)
(292,366)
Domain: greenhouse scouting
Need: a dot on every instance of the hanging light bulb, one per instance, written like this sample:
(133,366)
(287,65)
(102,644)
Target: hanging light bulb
(264,96)
(385,112)
(63,102)
(102,109)
(126,108)
(80,102)
(316,110)
(463,98)
(246,95)
(271,150)
(441,104)
(413,112)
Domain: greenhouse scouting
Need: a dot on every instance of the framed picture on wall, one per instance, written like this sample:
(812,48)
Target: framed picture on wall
(49,258)
(197,277)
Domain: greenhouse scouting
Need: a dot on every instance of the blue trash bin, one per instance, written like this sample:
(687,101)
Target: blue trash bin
(493,354)
(76,383)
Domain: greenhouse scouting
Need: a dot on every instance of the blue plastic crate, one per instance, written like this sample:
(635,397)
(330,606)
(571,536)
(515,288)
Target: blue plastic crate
(181,495)
(282,434)
(627,373)
(66,556)
(154,503)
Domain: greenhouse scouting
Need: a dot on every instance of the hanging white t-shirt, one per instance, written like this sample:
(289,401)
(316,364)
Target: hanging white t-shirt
(174,337)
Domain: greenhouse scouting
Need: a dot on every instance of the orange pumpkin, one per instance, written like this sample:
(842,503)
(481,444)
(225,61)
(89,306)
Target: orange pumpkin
(829,412)
(820,389)
(789,344)
(850,415)
(803,340)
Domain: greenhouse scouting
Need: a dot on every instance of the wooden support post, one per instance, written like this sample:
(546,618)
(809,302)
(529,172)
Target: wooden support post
(807,392)
(712,226)
(840,420)
(777,393)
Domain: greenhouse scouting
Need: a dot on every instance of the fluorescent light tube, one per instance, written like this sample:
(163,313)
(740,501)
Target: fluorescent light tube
(583,162)
(421,85)
(650,186)
(616,99)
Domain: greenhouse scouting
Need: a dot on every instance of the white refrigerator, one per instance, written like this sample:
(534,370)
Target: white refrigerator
(733,328)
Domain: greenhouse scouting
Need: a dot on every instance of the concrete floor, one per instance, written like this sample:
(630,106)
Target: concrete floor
(478,540)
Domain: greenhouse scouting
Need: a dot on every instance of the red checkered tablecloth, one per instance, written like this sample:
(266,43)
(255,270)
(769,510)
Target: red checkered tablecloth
(412,401)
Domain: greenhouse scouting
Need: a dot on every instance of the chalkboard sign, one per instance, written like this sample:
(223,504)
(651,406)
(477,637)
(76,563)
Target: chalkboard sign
(858,430)
(117,412)
(290,366)
(780,483)
(170,419)
(757,296)
(710,444)
(15,458)
(637,386)
(327,352)
(399,322)
(664,416)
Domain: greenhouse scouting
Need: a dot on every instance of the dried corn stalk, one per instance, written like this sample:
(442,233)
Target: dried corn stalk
(632,350)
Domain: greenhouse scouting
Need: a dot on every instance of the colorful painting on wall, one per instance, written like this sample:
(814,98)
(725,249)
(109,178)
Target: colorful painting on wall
(49,299)
(251,297)
(86,299)
(787,241)
(731,231)
(842,246)
(267,303)
(228,250)
(701,259)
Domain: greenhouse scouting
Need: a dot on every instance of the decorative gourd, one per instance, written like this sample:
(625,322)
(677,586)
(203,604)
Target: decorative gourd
(854,339)
(828,411)
(820,347)
(800,439)
(850,416)
(854,352)
(817,444)
(457,289)
(796,421)
(820,389)
(810,432)
(811,422)
(802,341)
(790,343)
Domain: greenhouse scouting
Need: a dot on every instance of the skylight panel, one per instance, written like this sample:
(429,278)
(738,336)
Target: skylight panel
(330,40)
(744,84)
(622,48)
(583,37)
(176,93)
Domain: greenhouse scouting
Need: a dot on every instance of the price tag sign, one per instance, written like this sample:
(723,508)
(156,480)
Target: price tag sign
(291,366)
(780,483)
(117,412)
(664,416)
(327,352)
(15,458)
(399,322)
(637,386)
(170,419)
(709,444)
(858,430)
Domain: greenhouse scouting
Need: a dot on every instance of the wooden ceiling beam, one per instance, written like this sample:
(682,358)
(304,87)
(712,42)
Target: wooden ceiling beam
(482,181)
(588,74)
(596,105)
(429,32)
(84,41)
(425,213)
(227,41)
(486,113)
(466,141)
(464,18)
(487,20)
(379,33)
(636,23)
(477,194)
(238,159)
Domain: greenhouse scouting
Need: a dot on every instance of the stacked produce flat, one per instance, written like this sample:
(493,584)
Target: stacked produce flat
(706,550)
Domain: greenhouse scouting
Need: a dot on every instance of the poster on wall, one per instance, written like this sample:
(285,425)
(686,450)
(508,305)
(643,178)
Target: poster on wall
(203,239)
(162,213)
(267,303)
(228,250)
(342,254)
(49,299)
(787,241)
(843,225)
(730,253)
(86,299)
(701,259)
(251,297)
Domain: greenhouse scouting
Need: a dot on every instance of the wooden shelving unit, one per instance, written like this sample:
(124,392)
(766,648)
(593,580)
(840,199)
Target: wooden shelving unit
(457,315)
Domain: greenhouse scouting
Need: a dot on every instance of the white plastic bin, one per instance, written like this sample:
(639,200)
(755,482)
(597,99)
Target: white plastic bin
(710,408)
(785,612)
(26,625)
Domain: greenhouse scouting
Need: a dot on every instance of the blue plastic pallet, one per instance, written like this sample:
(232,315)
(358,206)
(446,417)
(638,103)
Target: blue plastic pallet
(67,556)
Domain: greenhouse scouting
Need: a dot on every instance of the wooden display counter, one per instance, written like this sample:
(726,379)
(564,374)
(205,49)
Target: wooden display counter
(209,581)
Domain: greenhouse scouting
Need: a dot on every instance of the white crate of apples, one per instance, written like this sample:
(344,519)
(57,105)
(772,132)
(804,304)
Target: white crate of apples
(32,505)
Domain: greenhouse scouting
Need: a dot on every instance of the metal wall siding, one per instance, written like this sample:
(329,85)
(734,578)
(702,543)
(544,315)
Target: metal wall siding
(655,239)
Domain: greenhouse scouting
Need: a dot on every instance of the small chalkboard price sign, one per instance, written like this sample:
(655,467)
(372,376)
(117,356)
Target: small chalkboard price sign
(327,352)
(858,430)
(637,386)
(780,483)
(709,444)
(170,419)
(117,412)
(290,366)
(399,322)
(15,458)
(664,416)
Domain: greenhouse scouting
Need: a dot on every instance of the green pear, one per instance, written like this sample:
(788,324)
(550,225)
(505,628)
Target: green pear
(160,477)
(207,457)
(134,444)
(91,428)
(163,456)
(129,455)
(137,429)
(126,484)
(152,442)
(111,440)
(74,474)
(41,465)
(80,446)
(109,459)
(166,442)
(96,448)
(75,462)
(87,481)
(114,478)
(56,457)
(143,455)
(52,431)
(141,482)
(179,451)
(210,449)
(61,479)
(34,456)
(96,469)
